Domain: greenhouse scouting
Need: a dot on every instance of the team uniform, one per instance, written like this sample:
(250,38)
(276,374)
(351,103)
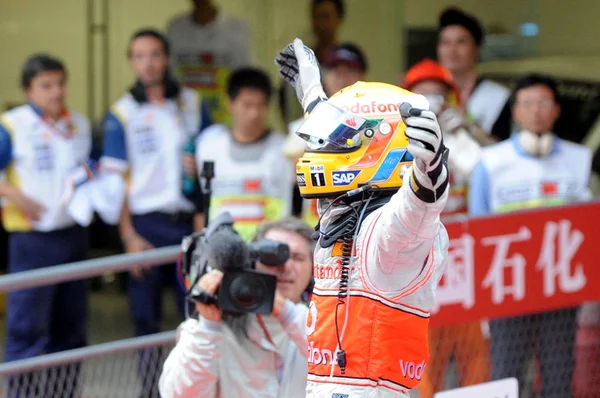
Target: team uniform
(400,256)
(378,167)
(37,156)
(146,141)
(253,182)
(509,179)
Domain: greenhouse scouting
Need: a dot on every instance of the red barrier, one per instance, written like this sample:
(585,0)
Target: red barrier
(520,263)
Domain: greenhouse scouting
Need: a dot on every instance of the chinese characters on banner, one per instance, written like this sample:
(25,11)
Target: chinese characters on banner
(520,263)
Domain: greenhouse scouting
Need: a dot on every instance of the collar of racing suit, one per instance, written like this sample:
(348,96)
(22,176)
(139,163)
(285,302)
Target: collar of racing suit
(335,220)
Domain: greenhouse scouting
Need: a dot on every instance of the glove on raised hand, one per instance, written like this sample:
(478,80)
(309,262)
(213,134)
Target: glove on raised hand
(299,67)
(426,144)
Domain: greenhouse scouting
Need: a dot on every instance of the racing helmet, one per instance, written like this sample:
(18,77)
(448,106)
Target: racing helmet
(355,138)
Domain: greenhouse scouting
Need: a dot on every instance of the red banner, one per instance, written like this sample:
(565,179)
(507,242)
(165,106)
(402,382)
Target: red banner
(520,263)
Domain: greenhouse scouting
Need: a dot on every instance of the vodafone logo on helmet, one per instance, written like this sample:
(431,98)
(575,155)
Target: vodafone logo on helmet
(385,105)
(373,108)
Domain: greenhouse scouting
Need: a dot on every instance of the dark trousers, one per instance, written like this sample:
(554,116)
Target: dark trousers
(552,332)
(145,295)
(46,319)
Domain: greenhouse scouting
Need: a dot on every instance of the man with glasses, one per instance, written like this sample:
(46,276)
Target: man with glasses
(533,169)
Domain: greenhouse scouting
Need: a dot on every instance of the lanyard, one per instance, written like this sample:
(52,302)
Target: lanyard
(278,359)
(55,126)
(265,331)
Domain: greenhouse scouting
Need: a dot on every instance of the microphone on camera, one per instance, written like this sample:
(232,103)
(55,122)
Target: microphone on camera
(227,251)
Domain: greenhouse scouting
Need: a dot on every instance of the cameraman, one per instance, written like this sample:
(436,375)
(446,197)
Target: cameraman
(220,356)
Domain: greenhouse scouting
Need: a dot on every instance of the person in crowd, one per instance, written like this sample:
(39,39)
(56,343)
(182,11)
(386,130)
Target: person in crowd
(220,355)
(41,144)
(466,342)
(253,178)
(327,17)
(345,65)
(148,133)
(484,101)
(547,171)
(207,45)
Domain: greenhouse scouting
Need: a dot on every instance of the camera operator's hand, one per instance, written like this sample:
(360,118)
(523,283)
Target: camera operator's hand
(210,282)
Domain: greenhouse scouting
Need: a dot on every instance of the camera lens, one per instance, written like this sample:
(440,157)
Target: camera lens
(247,292)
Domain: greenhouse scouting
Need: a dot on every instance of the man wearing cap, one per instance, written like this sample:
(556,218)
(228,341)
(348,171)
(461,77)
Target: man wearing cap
(345,65)
(459,44)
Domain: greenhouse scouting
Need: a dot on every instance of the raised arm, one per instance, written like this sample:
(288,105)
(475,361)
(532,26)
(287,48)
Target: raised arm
(398,240)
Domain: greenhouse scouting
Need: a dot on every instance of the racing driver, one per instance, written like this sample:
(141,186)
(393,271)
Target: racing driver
(381,246)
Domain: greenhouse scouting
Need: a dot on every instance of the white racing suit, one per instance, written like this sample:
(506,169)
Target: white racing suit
(399,258)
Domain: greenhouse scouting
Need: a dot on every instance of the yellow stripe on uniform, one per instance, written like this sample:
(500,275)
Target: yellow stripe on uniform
(531,204)
(13,218)
(272,208)
(117,112)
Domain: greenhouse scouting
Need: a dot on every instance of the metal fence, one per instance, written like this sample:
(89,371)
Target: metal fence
(120,369)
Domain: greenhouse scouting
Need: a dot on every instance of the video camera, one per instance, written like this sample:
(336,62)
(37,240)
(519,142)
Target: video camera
(243,288)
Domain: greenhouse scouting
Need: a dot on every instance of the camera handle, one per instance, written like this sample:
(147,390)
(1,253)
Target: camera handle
(208,173)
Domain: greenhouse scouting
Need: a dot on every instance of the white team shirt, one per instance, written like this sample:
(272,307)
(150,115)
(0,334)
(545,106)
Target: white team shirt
(148,140)
(43,158)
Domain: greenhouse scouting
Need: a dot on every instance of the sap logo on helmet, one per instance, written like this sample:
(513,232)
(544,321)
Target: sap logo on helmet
(343,178)
(411,370)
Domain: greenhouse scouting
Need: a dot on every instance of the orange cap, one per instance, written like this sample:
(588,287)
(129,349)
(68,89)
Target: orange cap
(429,69)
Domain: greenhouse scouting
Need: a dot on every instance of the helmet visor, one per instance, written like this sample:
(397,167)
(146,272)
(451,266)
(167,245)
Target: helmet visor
(329,128)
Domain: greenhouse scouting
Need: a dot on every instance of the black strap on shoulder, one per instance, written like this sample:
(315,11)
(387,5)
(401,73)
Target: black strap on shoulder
(337,229)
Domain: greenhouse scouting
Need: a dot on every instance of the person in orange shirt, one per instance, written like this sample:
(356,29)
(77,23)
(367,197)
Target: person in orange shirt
(465,341)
